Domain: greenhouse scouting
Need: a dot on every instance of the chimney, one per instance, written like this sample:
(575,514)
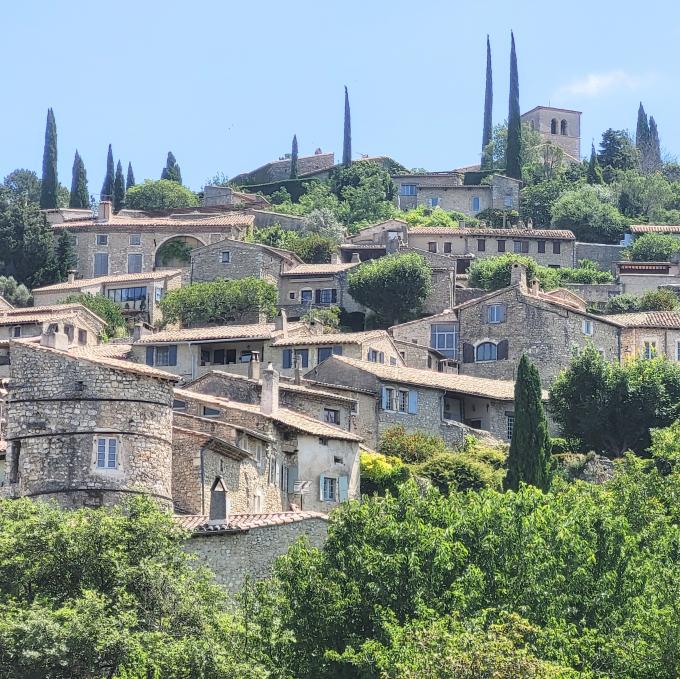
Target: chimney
(219,502)
(298,370)
(518,275)
(139,331)
(281,322)
(461,223)
(535,287)
(104,212)
(71,273)
(269,400)
(254,366)
(54,339)
(334,258)
(355,258)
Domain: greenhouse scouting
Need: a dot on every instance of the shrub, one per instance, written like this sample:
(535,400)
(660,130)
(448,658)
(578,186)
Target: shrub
(653,247)
(493,273)
(105,308)
(495,217)
(381,473)
(451,471)
(161,194)
(652,300)
(410,447)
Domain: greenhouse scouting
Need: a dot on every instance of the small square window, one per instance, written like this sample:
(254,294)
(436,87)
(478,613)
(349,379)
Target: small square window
(82,336)
(432,247)
(225,257)
(495,313)
(16,331)
(210,412)
(481,245)
(306,296)
(291,295)
(331,416)
(102,239)
(337,460)
(135,239)
(447,248)
(587,327)
(501,246)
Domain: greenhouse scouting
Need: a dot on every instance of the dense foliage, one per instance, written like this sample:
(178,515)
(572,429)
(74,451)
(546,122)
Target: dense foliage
(17,294)
(162,194)
(104,307)
(652,300)
(219,301)
(80,196)
(172,171)
(310,245)
(654,247)
(49,183)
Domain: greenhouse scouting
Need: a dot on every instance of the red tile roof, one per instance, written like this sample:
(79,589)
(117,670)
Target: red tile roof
(647,319)
(655,228)
(236,523)
(117,278)
(183,221)
(552,234)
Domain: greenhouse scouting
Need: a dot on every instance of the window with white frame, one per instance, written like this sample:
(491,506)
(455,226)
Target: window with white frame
(587,327)
(375,356)
(102,239)
(407,190)
(135,239)
(495,313)
(649,349)
(402,400)
(510,425)
(225,257)
(163,356)
(330,489)
(107,453)
(475,204)
(306,296)
(486,351)
(390,398)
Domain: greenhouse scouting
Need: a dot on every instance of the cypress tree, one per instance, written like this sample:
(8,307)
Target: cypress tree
(171,170)
(107,186)
(642,130)
(513,165)
(50,183)
(347,136)
(119,189)
(130,177)
(80,196)
(529,460)
(594,175)
(488,109)
(654,144)
(294,158)
(65,254)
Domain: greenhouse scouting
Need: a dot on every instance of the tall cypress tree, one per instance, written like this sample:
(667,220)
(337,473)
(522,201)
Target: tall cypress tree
(654,144)
(294,158)
(65,254)
(130,177)
(347,135)
(171,170)
(488,109)
(594,175)
(119,189)
(529,460)
(107,186)
(50,182)
(513,163)
(80,196)
(642,129)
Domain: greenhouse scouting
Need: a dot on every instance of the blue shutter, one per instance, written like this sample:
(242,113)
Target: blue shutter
(172,358)
(149,355)
(412,401)
(383,398)
(343,486)
(338,350)
(334,295)
(287,358)
(321,482)
(292,478)
(433,336)
(317,296)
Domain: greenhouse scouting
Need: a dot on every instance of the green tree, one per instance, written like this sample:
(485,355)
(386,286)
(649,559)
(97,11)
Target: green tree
(375,283)
(594,175)
(109,178)
(294,158)
(617,152)
(314,249)
(381,473)
(79,196)
(655,145)
(531,156)
(102,306)
(653,247)
(642,138)
(161,194)
(652,300)
(488,109)
(65,254)
(219,301)
(609,407)
(23,186)
(15,293)
(494,273)
(171,171)
(642,196)
(347,134)
(119,189)
(530,459)
(50,183)
(537,200)
(513,157)
(130,182)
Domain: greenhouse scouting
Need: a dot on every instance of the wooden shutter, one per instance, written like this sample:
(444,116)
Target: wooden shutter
(433,336)
(321,481)
(317,295)
(383,398)
(287,358)
(338,350)
(502,309)
(502,350)
(412,401)
(468,353)
(172,354)
(149,355)
(334,295)
(292,478)
(343,488)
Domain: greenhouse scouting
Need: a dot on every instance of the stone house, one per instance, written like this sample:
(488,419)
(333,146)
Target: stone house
(306,352)
(449,191)
(81,326)
(137,295)
(279,170)
(445,404)
(559,126)
(438,333)
(648,334)
(640,277)
(129,242)
(226,196)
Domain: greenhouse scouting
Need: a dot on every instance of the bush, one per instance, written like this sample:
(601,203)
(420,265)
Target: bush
(105,308)
(493,273)
(458,471)
(17,294)
(426,216)
(382,473)
(410,447)
(495,217)
(652,300)
(587,272)
(653,247)
(160,194)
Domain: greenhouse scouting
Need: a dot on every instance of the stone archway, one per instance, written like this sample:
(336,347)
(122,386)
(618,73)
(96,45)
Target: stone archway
(174,252)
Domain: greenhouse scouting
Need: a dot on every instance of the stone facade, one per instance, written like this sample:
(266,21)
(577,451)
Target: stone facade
(433,332)
(279,170)
(604,255)
(558,126)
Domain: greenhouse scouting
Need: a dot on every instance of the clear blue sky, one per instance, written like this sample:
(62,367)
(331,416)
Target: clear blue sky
(226,84)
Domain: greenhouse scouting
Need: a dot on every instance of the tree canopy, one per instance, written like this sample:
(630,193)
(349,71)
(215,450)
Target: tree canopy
(161,194)
(652,300)
(104,307)
(654,247)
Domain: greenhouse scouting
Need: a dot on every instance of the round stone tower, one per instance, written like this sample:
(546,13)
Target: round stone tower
(84,429)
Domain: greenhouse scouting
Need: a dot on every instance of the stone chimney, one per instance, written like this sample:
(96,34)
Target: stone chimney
(518,275)
(139,331)
(104,212)
(54,339)
(254,366)
(334,258)
(535,287)
(298,370)
(219,502)
(281,322)
(269,400)
(71,273)
(355,258)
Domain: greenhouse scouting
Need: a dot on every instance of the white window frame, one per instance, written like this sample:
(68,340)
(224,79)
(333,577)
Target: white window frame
(391,393)
(494,313)
(330,489)
(102,239)
(402,401)
(509,426)
(228,257)
(137,237)
(106,451)
(162,351)
(587,327)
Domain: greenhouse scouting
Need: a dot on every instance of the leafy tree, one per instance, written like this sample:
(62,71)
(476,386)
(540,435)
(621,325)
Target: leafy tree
(23,186)
(65,254)
(452,471)
(652,300)
(375,283)
(219,301)
(130,182)
(513,157)
(161,194)
(314,249)
(488,109)
(104,307)
(50,183)
(587,272)
(317,196)
(617,152)
(328,317)
(653,247)
(15,293)
(347,135)
(276,237)
(171,171)
(594,175)
(537,201)
(427,216)
(642,196)
(174,253)
(294,158)
(119,189)
(382,473)
(80,195)
(109,177)
(609,407)
(531,158)
(529,460)
(324,223)
(493,273)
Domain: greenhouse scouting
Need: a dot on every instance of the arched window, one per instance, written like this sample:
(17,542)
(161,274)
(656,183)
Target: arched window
(486,351)
(563,127)
(475,203)
(553,126)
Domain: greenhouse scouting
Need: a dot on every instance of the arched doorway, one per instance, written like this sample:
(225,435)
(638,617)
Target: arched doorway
(175,252)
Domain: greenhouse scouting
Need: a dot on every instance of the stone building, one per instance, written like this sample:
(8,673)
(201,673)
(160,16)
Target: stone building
(279,170)
(648,334)
(69,442)
(129,242)
(437,333)
(640,277)
(226,196)
(445,404)
(137,295)
(559,126)
(448,190)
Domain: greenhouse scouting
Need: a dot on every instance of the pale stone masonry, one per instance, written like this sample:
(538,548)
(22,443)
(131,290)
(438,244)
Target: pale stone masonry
(649,334)
(278,170)
(559,126)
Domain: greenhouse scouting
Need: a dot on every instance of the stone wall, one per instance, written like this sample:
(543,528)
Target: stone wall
(604,254)
(666,341)
(265,218)
(292,285)
(540,119)
(597,294)
(245,259)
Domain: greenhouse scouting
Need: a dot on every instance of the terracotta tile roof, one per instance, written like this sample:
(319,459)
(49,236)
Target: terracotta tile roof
(278,252)
(106,361)
(118,278)
(332,338)
(502,390)
(647,319)
(317,269)
(446,312)
(655,228)
(183,221)
(237,523)
(216,332)
(303,423)
(119,350)
(552,234)
(43,314)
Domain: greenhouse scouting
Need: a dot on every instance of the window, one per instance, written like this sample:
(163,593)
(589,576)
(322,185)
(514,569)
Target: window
(107,453)
(123,295)
(338,460)
(563,127)
(389,399)
(207,411)
(272,470)
(163,356)
(326,352)
(179,405)
(521,246)
(330,489)
(158,294)
(433,202)
(553,126)
(69,331)
(501,246)
(134,263)
(408,189)
(306,296)
(327,296)
(302,357)
(447,248)
(402,400)
(481,245)
(556,247)
(510,425)
(82,336)
(259,453)
(475,204)
(331,416)
(649,349)
(376,356)
(444,338)
(291,295)
(507,200)
(225,257)
(495,313)
(393,360)
(541,247)
(16,331)
(587,327)
(487,351)
(432,247)
(101,264)
(135,239)
(102,239)
(284,479)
